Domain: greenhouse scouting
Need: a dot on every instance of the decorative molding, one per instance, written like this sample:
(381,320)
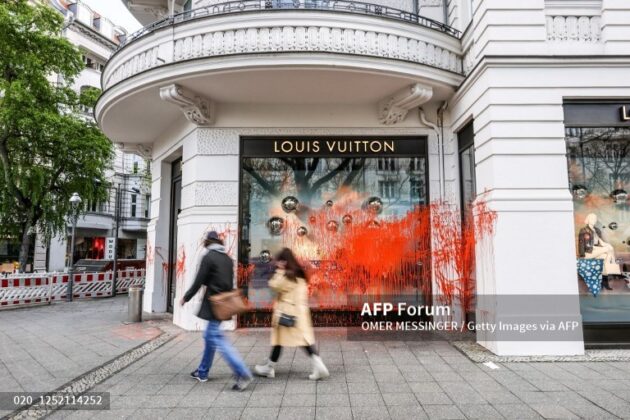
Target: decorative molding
(430,3)
(394,109)
(145,151)
(273,38)
(217,142)
(216,193)
(574,28)
(153,10)
(198,110)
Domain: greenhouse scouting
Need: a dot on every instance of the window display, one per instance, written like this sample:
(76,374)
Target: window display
(351,218)
(599,176)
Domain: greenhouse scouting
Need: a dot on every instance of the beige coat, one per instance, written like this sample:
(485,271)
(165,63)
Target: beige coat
(291,299)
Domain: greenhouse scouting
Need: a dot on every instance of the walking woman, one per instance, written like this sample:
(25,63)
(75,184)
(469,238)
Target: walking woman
(291,320)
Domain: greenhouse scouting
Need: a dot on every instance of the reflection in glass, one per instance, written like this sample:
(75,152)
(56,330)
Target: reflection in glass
(348,208)
(599,176)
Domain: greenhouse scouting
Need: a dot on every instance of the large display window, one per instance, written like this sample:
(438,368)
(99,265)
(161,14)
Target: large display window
(599,176)
(349,208)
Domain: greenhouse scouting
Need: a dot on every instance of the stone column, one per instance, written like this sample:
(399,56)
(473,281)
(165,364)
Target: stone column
(209,202)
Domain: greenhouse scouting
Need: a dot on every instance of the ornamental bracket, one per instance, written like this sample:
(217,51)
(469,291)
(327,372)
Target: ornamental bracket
(142,150)
(394,109)
(198,110)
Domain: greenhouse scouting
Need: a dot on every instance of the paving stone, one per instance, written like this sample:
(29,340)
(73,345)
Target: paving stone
(370,413)
(299,400)
(400,399)
(366,400)
(187,413)
(479,411)
(231,399)
(363,388)
(150,414)
(256,413)
(333,413)
(265,400)
(325,387)
(332,400)
(429,398)
(224,413)
(516,411)
(443,412)
(296,413)
(407,412)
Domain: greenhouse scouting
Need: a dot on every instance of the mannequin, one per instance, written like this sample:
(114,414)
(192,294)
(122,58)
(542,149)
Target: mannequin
(591,245)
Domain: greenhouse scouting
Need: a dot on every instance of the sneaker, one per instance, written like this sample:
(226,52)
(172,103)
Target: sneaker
(242,383)
(267,370)
(195,375)
(319,369)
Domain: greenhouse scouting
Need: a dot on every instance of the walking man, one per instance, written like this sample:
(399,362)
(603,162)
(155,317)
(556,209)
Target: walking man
(216,272)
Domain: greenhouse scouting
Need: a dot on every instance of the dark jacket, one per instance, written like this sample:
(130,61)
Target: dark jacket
(216,272)
(586,240)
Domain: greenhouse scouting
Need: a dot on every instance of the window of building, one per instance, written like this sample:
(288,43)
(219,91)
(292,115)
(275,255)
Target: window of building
(135,167)
(147,205)
(133,205)
(387,189)
(387,164)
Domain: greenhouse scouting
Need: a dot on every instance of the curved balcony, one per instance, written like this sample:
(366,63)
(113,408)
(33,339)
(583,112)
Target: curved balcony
(200,48)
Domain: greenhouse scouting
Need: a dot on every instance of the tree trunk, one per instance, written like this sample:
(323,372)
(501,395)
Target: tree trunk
(24,246)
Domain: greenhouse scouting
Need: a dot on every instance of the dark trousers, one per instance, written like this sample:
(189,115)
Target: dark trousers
(276,350)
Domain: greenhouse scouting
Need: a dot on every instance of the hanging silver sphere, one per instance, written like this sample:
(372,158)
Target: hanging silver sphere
(332,226)
(580,192)
(302,231)
(290,204)
(265,256)
(619,196)
(275,225)
(374,205)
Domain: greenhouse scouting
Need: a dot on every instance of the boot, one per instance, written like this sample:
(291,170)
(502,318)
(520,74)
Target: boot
(319,369)
(267,370)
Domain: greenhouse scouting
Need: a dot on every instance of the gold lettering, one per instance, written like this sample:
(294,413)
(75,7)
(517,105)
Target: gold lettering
(275,147)
(299,146)
(284,149)
(389,145)
(345,147)
(316,146)
(331,145)
(376,146)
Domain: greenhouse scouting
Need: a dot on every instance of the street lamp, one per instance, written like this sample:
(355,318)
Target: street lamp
(75,200)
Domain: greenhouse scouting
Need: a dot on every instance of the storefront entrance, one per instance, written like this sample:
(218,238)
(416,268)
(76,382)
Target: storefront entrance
(350,209)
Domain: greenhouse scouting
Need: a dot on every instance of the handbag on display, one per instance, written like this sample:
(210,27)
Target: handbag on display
(286,320)
(227,304)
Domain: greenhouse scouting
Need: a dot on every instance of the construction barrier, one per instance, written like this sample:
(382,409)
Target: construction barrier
(28,289)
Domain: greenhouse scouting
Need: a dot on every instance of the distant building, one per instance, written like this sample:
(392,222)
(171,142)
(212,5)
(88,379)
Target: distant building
(97,37)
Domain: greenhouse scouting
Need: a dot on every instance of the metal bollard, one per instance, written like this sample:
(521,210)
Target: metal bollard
(135,304)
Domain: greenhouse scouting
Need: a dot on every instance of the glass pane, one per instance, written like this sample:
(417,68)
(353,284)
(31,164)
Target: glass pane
(351,221)
(467,161)
(599,176)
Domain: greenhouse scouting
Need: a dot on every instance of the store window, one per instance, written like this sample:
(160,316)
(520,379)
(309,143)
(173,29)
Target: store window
(334,210)
(599,180)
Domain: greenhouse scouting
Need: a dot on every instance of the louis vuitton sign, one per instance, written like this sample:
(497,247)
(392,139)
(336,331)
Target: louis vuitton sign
(593,113)
(334,146)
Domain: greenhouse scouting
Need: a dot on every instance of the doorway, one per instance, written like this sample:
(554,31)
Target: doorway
(175,209)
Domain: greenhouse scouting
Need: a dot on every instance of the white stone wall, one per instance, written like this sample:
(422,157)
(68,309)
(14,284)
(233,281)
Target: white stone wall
(515,98)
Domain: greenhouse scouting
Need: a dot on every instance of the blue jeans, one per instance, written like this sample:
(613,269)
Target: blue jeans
(215,340)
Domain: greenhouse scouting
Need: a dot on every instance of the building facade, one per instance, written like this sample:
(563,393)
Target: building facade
(97,38)
(327,127)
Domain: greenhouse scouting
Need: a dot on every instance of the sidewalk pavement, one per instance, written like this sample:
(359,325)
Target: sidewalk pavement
(369,380)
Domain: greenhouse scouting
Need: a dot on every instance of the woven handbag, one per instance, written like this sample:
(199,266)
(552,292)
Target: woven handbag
(227,304)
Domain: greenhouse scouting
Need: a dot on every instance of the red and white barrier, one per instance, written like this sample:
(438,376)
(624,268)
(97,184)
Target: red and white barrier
(21,290)
(28,289)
